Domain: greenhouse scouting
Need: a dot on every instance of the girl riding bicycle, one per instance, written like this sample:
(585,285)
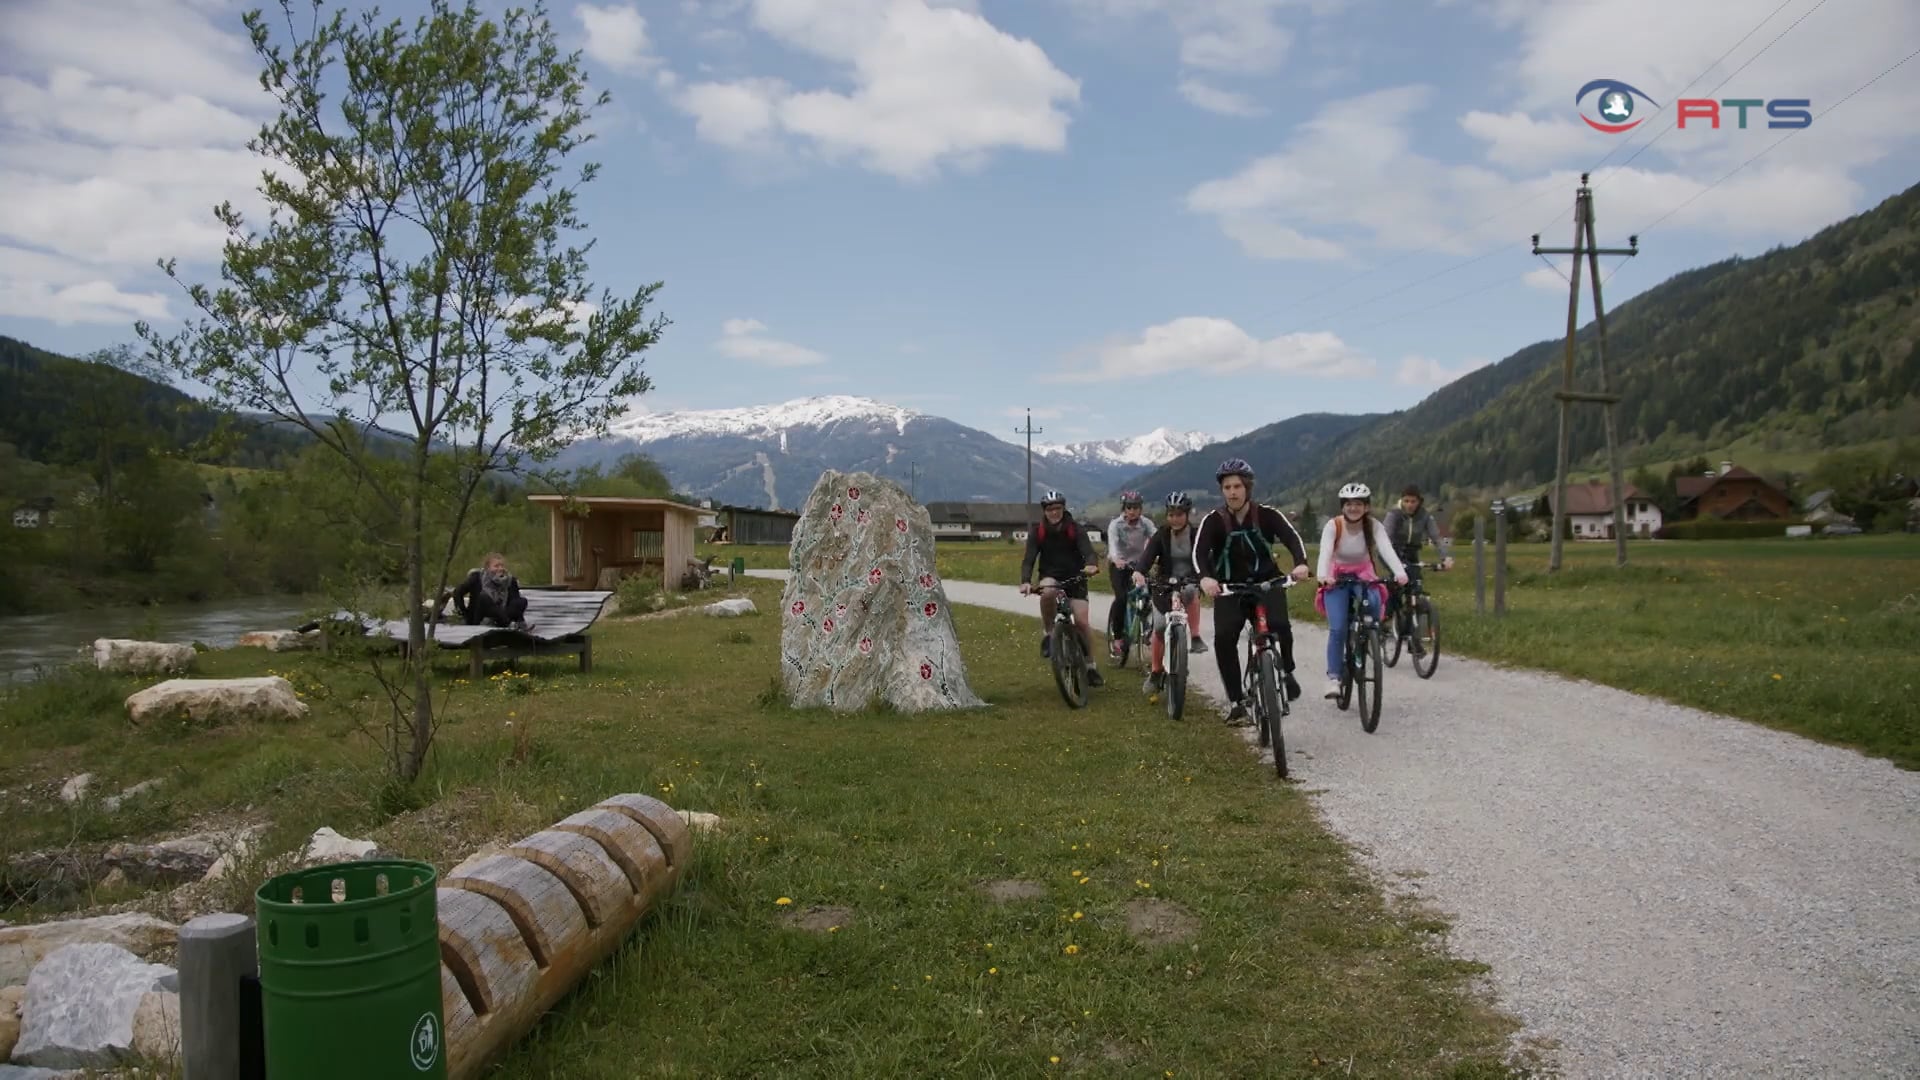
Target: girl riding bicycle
(1349,544)
(1169,557)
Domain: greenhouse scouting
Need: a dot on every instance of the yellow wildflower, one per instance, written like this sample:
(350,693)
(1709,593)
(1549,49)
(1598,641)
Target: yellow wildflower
(783,901)
(1072,950)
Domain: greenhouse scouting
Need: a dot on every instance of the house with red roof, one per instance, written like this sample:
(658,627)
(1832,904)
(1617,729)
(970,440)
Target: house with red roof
(1590,511)
(1731,494)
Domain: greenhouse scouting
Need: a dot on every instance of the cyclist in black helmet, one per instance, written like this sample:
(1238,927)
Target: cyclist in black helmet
(1063,550)
(1127,537)
(1169,560)
(1235,545)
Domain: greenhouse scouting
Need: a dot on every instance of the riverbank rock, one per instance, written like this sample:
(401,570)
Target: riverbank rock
(279,640)
(81,1004)
(11,998)
(75,789)
(739,605)
(216,701)
(125,656)
(327,846)
(23,947)
(864,616)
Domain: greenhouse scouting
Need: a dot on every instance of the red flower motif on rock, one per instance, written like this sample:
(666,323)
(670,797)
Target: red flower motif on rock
(839,610)
(835,512)
(853,493)
(931,609)
(862,516)
(866,646)
(900,524)
(926,671)
(926,581)
(799,607)
(827,626)
(874,576)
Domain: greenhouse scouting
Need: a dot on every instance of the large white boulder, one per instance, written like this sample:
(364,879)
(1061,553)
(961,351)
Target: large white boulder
(21,947)
(279,640)
(81,1004)
(864,616)
(126,656)
(327,846)
(739,605)
(216,701)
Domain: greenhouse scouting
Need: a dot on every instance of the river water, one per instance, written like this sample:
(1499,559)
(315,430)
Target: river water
(51,640)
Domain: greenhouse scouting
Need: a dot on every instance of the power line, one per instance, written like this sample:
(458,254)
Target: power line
(1722,82)
(1776,143)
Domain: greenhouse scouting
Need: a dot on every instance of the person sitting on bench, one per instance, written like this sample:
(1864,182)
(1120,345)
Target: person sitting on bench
(491,595)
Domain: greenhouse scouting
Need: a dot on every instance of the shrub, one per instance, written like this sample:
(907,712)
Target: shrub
(1710,529)
(638,592)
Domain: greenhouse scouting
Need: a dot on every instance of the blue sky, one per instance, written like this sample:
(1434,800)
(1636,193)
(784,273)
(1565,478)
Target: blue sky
(1204,214)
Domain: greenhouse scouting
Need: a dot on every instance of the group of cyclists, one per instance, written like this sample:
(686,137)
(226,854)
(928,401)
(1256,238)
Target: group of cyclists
(1233,544)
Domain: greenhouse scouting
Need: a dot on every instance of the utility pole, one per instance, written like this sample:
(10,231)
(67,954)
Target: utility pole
(913,491)
(1585,243)
(1029,431)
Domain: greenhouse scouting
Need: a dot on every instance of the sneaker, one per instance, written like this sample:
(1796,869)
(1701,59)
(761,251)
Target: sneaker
(1333,689)
(1293,687)
(1199,648)
(1113,648)
(1158,680)
(1094,678)
(1414,646)
(1046,647)
(1237,716)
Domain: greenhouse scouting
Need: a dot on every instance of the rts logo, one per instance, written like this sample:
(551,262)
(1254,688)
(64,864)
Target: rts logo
(1616,107)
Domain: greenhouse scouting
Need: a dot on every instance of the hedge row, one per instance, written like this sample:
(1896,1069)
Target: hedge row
(1725,530)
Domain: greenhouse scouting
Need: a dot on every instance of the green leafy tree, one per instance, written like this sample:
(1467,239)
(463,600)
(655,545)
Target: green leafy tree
(1309,525)
(417,268)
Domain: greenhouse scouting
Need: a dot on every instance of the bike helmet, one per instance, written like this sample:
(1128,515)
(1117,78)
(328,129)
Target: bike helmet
(1356,491)
(1234,467)
(1179,500)
(1053,498)
(1413,490)
(1129,498)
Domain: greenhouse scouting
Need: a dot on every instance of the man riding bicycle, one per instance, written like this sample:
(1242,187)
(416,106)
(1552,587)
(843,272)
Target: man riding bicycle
(1169,561)
(1409,526)
(1234,544)
(1127,537)
(1063,550)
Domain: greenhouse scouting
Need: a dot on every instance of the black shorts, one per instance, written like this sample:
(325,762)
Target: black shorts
(1075,591)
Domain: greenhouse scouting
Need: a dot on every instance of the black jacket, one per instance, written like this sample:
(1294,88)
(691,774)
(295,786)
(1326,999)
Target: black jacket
(1063,551)
(1246,548)
(1158,563)
(465,592)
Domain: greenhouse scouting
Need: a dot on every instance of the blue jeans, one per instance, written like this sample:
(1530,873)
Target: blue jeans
(1337,601)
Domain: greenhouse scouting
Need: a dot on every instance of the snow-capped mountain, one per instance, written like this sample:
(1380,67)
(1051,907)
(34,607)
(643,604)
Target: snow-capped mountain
(771,455)
(1156,447)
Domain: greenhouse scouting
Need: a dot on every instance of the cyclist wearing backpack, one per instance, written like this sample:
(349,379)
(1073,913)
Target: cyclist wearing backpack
(1411,525)
(1063,550)
(1127,537)
(1349,544)
(1234,544)
(1169,559)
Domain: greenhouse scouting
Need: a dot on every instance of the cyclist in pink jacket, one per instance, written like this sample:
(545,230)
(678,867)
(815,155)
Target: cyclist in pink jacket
(1349,543)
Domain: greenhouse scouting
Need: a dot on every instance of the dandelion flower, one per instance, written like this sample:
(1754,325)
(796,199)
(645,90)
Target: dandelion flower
(1054,1059)
(1071,950)
(993,971)
(783,901)
(1776,676)
(1078,915)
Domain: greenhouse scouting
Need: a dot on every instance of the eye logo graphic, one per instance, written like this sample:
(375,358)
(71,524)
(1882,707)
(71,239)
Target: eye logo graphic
(1615,103)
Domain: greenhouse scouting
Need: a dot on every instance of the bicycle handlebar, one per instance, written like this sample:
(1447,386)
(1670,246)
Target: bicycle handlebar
(1231,589)
(1059,583)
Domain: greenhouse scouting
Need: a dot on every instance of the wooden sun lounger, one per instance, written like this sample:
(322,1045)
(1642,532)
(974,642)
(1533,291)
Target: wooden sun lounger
(558,621)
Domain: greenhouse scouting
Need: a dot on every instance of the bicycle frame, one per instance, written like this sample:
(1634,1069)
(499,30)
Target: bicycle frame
(1263,636)
(1176,611)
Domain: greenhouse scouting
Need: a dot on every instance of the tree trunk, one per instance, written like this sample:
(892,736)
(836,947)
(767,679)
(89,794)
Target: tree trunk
(414,757)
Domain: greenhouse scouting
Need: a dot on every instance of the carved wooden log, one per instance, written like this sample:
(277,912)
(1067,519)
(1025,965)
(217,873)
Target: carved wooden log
(520,929)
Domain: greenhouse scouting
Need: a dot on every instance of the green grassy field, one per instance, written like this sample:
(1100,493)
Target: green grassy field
(1295,965)
(1811,636)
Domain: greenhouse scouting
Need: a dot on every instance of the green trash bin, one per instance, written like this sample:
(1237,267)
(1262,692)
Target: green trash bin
(737,570)
(350,972)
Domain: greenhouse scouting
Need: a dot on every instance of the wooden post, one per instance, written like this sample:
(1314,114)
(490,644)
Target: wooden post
(1479,565)
(216,952)
(1606,389)
(1499,557)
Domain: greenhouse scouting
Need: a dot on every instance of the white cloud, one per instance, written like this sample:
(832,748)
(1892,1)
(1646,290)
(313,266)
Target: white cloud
(1214,99)
(616,36)
(115,144)
(1215,346)
(1519,140)
(745,339)
(1425,371)
(1547,278)
(932,85)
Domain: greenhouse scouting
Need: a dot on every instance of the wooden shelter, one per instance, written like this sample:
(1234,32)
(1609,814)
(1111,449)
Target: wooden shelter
(597,540)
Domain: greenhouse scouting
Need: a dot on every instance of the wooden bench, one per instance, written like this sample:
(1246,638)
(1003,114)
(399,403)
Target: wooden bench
(558,622)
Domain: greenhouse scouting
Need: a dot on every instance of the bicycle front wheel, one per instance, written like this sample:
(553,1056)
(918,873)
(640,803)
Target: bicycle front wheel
(1268,687)
(1426,631)
(1069,666)
(1370,679)
(1176,666)
(1347,668)
(1396,623)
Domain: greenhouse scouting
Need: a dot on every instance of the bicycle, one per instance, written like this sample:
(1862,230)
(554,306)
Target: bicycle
(1262,671)
(1363,647)
(1064,652)
(1175,639)
(1415,622)
(1135,618)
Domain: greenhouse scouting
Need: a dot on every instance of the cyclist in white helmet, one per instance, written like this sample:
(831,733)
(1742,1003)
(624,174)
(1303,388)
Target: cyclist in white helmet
(1349,543)
(1063,550)
(1169,560)
(1127,537)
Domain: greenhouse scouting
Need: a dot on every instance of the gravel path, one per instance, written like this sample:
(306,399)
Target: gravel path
(1659,891)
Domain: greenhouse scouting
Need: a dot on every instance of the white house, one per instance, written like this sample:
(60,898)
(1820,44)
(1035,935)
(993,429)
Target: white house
(1590,511)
